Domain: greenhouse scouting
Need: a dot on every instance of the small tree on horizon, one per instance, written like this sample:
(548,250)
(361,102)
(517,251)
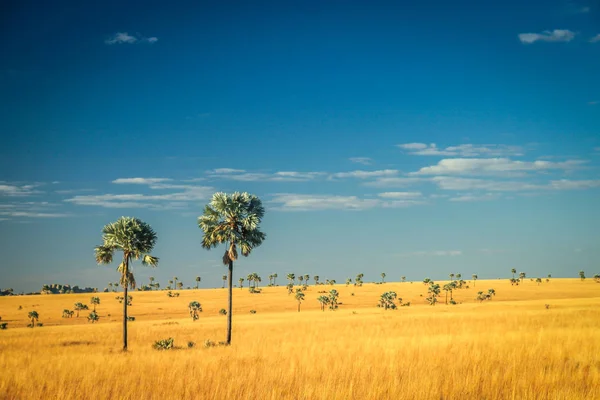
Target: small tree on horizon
(34,317)
(224,278)
(241,281)
(198,280)
(513,271)
(403,278)
(316,278)
(474,276)
(299,297)
(383,277)
(95,301)
(582,275)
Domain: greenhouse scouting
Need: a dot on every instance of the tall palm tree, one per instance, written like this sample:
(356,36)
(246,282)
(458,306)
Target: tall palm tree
(234,220)
(250,279)
(513,271)
(198,280)
(474,276)
(135,239)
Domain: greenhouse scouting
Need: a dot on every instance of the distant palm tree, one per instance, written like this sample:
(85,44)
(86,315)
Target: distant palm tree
(135,239)
(151,279)
(198,280)
(299,297)
(291,278)
(33,316)
(447,288)
(491,292)
(241,281)
(250,279)
(323,300)
(195,308)
(451,277)
(522,276)
(316,278)
(234,220)
(458,276)
(93,317)
(179,285)
(427,281)
(538,280)
(306,278)
(79,307)
(513,271)
(95,301)
(175,279)
(474,276)
(403,278)
(170,285)
(300,280)
(549,275)
(224,278)
(383,277)
(270,280)
(274,278)
(348,281)
(582,275)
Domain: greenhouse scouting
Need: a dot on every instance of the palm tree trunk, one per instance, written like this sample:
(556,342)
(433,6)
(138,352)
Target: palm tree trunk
(126,270)
(446,297)
(298,306)
(230,301)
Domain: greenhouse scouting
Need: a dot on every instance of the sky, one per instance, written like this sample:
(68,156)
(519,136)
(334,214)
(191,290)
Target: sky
(413,139)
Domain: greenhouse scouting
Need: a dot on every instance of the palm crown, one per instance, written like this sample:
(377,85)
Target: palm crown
(234,220)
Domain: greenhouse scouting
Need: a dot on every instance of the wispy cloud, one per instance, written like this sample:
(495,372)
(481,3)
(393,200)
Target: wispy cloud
(556,35)
(29,209)
(469,184)
(364,174)
(126,38)
(315,202)
(495,166)
(140,181)
(593,103)
(463,150)
(361,160)
(397,182)
(14,190)
(595,39)
(400,195)
(27,214)
(280,176)
(471,197)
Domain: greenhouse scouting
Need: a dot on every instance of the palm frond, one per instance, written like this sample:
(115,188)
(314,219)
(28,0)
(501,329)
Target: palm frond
(149,260)
(104,254)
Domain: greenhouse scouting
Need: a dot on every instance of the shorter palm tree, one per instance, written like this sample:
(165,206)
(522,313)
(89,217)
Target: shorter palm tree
(195,308)
(80,307)
(403,278)
(306,278)
(323,300)
(33,316)
(198,280)
(383,277)
(275,279)
(241,281)
(299,297)
(93,317)
(300,280)
(224,278)
(522,276)
(95,301)
(474,276)
(348,281)
(582,275)
(291,278)
(451,277)
(513,271)
(316,278)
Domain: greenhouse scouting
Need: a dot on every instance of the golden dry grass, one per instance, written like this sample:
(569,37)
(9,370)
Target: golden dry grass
(509,348)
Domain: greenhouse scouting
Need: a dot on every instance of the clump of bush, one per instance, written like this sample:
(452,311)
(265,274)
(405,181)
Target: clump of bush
(129,318)
(209,343)
(191,344)
(252,311)
(171,294)
(3,325)
(164,344)
(223,311)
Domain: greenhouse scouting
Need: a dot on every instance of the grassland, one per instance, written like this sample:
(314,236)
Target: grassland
(511,347)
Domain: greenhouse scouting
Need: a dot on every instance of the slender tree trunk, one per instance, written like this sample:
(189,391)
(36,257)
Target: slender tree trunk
(298,306)
(125,304)
(446,297)
(230,301)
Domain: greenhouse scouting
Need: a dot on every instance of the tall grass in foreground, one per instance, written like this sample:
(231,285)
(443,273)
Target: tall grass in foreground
(514,349)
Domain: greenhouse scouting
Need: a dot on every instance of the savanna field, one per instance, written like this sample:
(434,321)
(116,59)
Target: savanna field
(509,347)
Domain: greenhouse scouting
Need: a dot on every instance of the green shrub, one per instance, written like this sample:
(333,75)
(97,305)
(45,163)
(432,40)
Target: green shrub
(164,344)
(223,311)
(3,325)
(252,311)
(209,343)
(191,344)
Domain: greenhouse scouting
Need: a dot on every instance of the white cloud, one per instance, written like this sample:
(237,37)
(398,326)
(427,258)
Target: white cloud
(565,184)
(365,174)
(557,35)
(126,38)
(280,176)
(140,181)
(315,202)
(595,39)
(310,202)
(187,193)
(361,160)
(471,197)
(497,166)
(463,150)
(28,214)
(12,190)
(386,182)
(467,184)
(399,195)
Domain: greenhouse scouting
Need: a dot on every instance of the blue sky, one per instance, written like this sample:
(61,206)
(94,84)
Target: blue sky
(414,140)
